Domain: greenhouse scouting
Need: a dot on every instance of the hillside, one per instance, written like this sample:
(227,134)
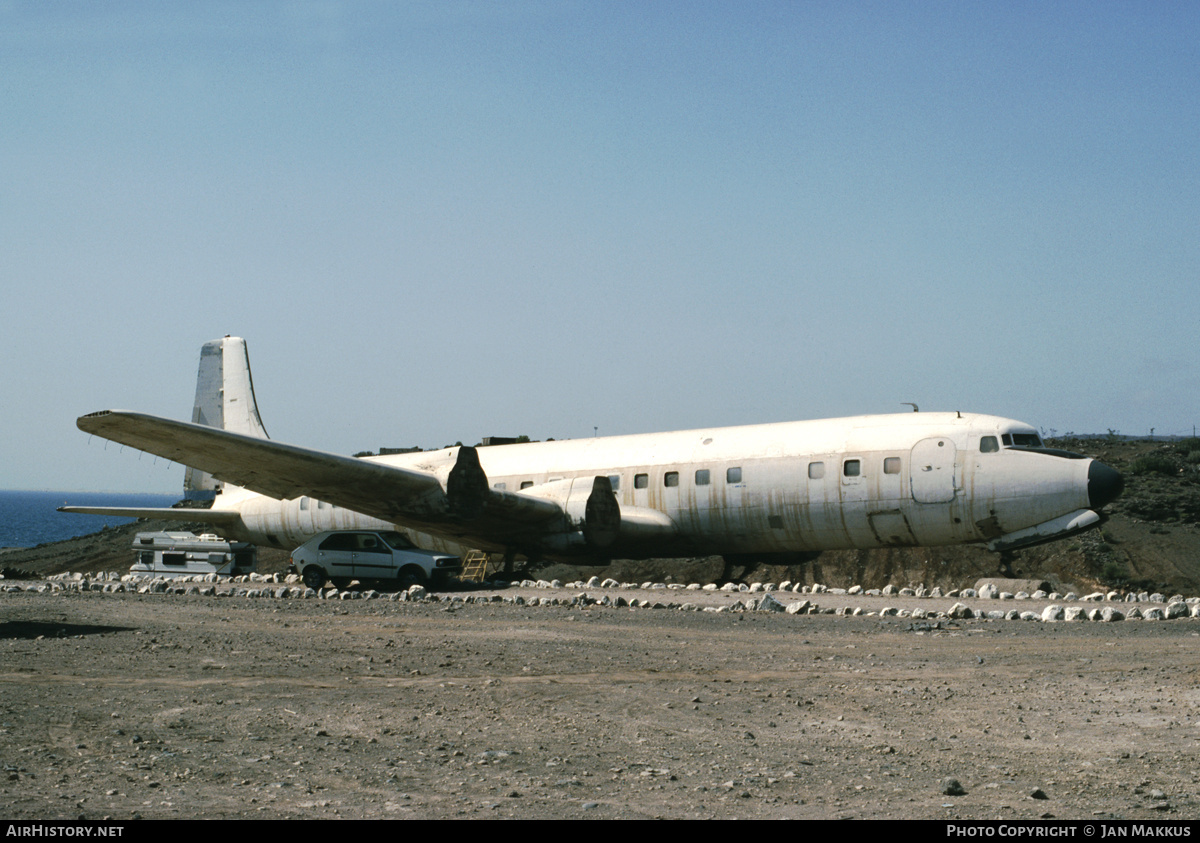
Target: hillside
(1151,541)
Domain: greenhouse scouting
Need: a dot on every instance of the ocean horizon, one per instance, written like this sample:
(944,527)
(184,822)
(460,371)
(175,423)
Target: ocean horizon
(28,518)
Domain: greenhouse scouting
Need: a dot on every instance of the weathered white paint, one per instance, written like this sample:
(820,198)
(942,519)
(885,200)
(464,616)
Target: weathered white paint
(773,488)
(1019,489)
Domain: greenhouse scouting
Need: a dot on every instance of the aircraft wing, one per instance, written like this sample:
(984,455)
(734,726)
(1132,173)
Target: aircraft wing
(460,505)
(274,468)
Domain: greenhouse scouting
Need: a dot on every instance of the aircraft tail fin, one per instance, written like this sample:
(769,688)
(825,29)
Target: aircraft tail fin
(225,400)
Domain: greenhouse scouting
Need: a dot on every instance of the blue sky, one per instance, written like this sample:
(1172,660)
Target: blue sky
(440,221)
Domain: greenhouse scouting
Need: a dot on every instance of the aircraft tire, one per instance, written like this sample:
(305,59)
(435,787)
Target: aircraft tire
(313,576)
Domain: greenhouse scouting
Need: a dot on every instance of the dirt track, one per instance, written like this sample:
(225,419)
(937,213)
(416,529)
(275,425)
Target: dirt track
(122,705)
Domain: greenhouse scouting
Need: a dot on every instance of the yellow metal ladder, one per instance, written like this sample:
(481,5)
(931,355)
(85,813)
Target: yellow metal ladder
(475,565)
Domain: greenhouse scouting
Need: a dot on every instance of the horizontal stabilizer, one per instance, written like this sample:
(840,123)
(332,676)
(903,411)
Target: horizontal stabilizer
(204,516)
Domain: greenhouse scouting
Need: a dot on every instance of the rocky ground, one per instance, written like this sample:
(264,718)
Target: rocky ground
(172,705)
(127,705)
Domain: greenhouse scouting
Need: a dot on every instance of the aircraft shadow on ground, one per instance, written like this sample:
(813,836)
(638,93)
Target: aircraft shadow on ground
(53,629)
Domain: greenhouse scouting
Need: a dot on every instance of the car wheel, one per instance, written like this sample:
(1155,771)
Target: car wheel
(313,576)
(411,575)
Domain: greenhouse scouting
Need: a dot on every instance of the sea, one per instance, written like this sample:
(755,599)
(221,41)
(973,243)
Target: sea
(28,519)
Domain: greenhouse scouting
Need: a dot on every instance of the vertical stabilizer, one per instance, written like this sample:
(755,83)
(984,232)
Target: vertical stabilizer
(224,399)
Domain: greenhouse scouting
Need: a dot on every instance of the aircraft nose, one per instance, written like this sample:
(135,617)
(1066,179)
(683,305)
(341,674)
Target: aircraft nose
(1104,484)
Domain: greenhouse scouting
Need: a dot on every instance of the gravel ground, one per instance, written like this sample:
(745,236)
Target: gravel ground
(158,706)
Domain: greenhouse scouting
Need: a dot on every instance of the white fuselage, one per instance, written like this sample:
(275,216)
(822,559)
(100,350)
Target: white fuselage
(868,481)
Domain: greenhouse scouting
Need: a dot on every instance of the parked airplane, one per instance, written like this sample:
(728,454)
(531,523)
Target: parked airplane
(909,479)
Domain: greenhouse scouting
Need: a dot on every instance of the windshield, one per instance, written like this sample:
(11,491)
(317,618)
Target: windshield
(1022,440)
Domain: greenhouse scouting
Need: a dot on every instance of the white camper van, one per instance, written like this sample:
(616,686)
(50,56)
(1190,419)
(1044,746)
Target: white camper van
(186,554)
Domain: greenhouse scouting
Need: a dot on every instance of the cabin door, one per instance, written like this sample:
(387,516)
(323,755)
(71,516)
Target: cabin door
(855,493)
(932,468)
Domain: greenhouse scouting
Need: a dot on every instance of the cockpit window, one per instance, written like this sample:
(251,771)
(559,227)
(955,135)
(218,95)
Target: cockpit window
(989,444)
(1022,440)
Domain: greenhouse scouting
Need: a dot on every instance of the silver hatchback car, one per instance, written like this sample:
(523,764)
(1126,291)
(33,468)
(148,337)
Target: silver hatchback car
(366,555)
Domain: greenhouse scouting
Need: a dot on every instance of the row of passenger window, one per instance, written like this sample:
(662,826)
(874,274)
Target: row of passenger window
(733,475)
(853,468)
(671,478)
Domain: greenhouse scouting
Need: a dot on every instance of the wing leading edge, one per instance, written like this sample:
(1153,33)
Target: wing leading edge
(273,468)
(580,513)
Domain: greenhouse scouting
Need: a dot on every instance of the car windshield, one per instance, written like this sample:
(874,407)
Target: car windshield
(397,541)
